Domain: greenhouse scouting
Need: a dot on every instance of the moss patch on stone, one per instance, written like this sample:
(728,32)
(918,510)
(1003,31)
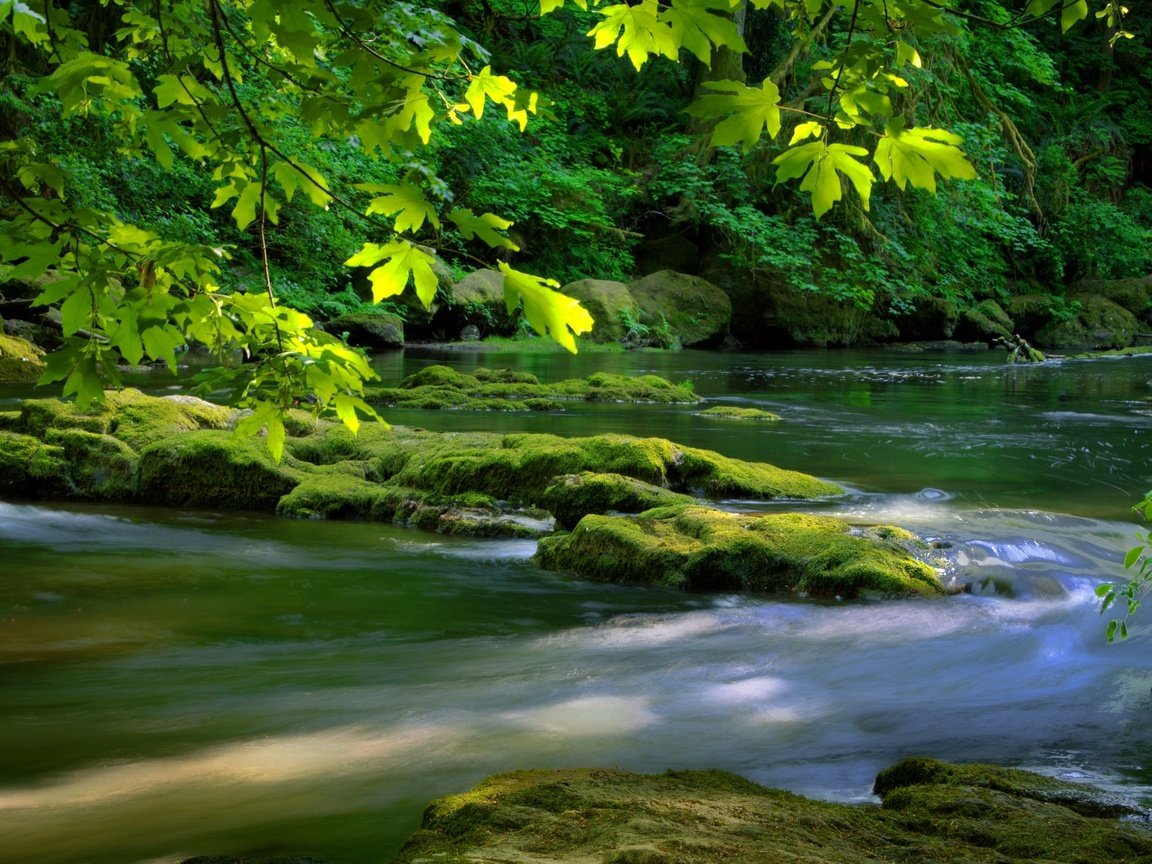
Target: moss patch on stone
(701,549)
(21,362)
(210,468)
(30,468)
(100,467)
(571,497)
(733,412)
(576,816)
(441,387)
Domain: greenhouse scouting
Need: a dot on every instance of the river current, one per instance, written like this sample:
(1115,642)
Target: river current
(175,683)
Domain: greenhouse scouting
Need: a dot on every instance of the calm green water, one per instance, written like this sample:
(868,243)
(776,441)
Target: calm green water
(178,683)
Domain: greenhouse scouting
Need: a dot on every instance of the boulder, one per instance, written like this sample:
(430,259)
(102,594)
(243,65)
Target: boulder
(985,322)
(1095,324)
(698,548)
(615,313)
(693,311)
(20,361)
(477,300)
(374,331)
(978,814)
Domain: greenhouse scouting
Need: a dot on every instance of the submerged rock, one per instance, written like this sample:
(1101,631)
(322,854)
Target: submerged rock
(701,549)
(943,814)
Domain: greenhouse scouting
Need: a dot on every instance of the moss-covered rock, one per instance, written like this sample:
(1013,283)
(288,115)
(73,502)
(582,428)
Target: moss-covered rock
(20,361)
(30,468)
(701,549)
(1095,324)
(611,305)
(577,816)
(477,300)
(209,468)
(100,467)
(571,497)
(439,387)
(376,332)
(985,322)
(696,312)
(734,412)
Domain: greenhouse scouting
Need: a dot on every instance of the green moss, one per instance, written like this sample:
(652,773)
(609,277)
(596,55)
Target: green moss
(10,420)
(702,549)
(440,387)
(141,420)
(209,468)
(20,360)
(100,466)
(39,415)
(732,412)
(29,468)
(703,472)
(571,497)
(573,816)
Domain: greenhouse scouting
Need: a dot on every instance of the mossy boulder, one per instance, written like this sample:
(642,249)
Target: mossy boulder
(571,497)
(100,467)
(376,332)
(814,320)
(700,549)
(735,412)
(1135,294)
(209,468)
(576,816)
(695,312)
(439,387)
(611,305)
(1095,324)
(985,322)
(477,300)
(31,468)
(929,318)
(21,362)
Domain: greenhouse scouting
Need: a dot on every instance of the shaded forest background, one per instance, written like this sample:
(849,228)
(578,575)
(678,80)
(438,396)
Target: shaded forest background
(613,181)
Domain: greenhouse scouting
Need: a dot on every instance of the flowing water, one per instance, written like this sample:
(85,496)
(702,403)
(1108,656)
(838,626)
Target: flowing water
(176,683)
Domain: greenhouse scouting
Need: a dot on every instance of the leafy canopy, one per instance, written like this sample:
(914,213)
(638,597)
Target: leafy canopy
(221,84)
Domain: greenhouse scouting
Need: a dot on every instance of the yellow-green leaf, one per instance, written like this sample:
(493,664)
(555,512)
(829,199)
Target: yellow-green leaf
(636,31)
(485,85)
(820,166)
(697,29)
(549,312)
(403,261)
(917,155)
(747,111)
(403,199)
(484,226)
(1072,12)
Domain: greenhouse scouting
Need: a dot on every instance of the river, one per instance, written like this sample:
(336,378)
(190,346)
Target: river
(185,682)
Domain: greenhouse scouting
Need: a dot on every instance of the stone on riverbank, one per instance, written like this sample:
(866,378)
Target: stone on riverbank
(700,549)
(693,310)
(574,816)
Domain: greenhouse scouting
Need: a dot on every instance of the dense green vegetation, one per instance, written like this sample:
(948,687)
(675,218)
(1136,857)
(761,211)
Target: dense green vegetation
(206,171)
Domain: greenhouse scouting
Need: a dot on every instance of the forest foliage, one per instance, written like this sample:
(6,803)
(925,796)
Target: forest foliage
(226,172)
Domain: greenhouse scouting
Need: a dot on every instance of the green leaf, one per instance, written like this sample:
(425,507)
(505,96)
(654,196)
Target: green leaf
(917,155)
(76,311)
(484,226)
(697,29)
(1070,13)
(404,261)
(404,199)
(245,210)
(484,84)
(346,410)
(811,129)
(549,312)
(747,111)
(820,165)
(636,31)
(1133,556)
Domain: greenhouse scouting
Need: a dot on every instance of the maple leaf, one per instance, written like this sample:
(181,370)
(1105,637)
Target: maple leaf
(484,227)
(698,30)
(403,261)
(746,112)
(820,165)
(404,199)
(636,31)
(549,312)
(917,155)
